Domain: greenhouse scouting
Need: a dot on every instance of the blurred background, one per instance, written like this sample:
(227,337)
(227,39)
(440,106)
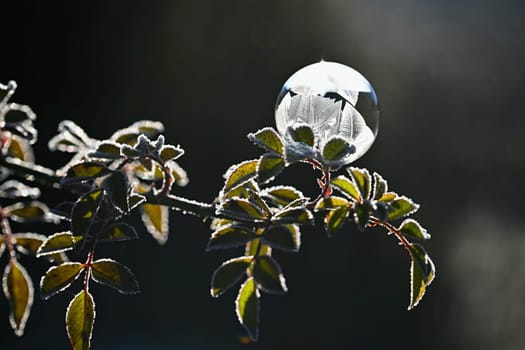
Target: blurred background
(449,76)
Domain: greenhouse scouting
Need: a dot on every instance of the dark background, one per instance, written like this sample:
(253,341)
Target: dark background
(449,76)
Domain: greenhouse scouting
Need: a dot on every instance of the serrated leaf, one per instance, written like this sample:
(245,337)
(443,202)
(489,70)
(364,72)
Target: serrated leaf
(303,134)
(332,202)
(282,195)
(58,278)
(335,219)
(412,228)
(336,148)
(270,165)
(19,291)
(380,186)
(362,215)
(247,308)
(293,215)
(56,243)
(422,272)
(107,150)
(117,188)
(268,275)
(115,275)
(84,212)
(388,197)
(254,198)
(84,171)
(27,212)
(346,187)
(117,233)
(242,209)
(156,220)
(239,174)
(268,139)
(170,152)
(230,236)
(80,317)
(283,237)
(362,180)
(28,243)
(229,273)
(257,247)
(401,207)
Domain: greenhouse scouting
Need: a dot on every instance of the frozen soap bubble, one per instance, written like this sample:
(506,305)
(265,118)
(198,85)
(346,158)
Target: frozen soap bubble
(334,100)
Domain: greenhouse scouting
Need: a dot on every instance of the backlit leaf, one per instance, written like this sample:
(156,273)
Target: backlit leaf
(228,274)
(117,189)
(239,174)
(170,152)
(84,171)
(422,272)
(282,195)
(335,219)
(380,186)
(18,290)
(115,275)
(268,139)
(362,214)
(135,200)
(270,165)
(27,212)
(117,233)
(56,243)
(84,212)
(230,236)
(156,220)
(336,148)
(293,215)
(362,180)
(401,207)
(247,308)
(58,278)
(302,134)
(283,237)
(268,275)
(241,209)
(28,243)
(412,228)
(332,202)
(107,150)
(80,317)
(346,187)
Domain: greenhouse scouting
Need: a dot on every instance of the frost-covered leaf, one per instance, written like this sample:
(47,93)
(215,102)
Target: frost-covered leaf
(19,291)
(388,197)
(239,174)
(283,237)
(335,219)
(130,134)
(247,308)
(337,148)
(178,173)
(117,233)
(107,150)
(362,214)
(422,272)
(56,243)
(20,148)
(268,275)
(332,202)
(156,220)
(84,212)
(80,317)
(16,189)
(242,191)
(60,277)
(257,247)
(84,171)
(135,200)
(242,209)
(117,188)
(346,187)
(270,165)
(256,199)
(228,274)
(293,215)
(380,186)
(115,275)
(362,180)
(28,243)
(268,139)
(412,228)
(281,195)
(27,212)
(401,207)
(303,134)
(170,152)
(230,236)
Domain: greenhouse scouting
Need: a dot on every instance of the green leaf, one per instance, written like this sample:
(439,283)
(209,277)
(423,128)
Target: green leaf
(293,215)
(283,237)
(60,277)
(335,219)
(388,197)
(117,188)
(28,243)
(346,187)
(254,198)
(169,152)
(239,174)
(268,275)
(84,212)
(268,139)
(362,215)
(380,186)
(229,273)
(303,134)
(179,174)
(18,290)
(156,220)
(107,150)
(230,236)
(27,212)
(115,275)
(247,308)
(336,148)
(117,233)
(332,202)
(362,180)
(80,317)
(282,195)
(401,207)
(270,165)
(412,228)
(422,272)
(242,190)
(84,171)
(242,209)
(257,247)
(56,243)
